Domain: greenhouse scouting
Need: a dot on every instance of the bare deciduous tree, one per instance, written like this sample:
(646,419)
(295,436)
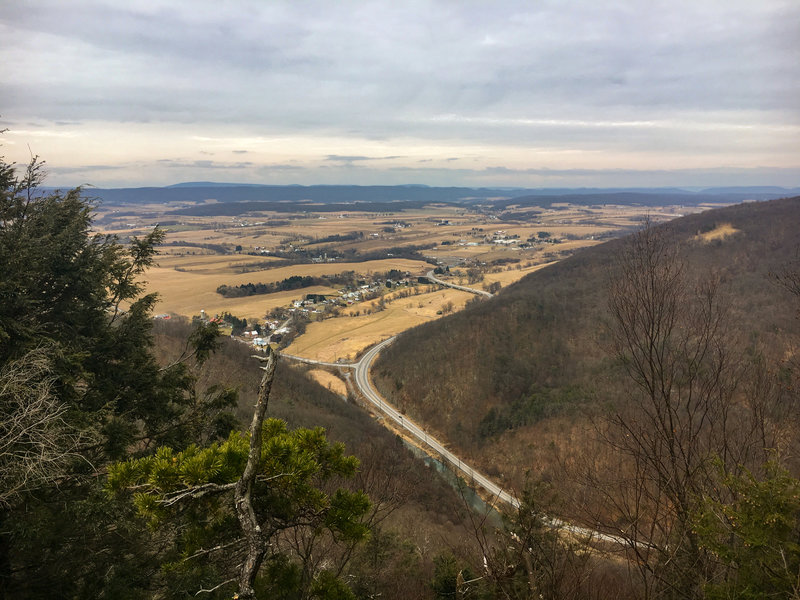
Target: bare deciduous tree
(671,339)
(36,443)
(255,538)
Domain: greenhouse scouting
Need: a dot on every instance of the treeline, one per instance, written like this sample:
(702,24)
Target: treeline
(294,282)
(640,198)
(347,279)
(306,255)
(239,208)
(218,248)
(340,237)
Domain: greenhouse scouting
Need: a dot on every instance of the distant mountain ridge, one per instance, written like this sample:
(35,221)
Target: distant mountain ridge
(201,191)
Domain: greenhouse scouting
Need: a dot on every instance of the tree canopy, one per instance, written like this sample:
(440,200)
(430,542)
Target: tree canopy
(89,420)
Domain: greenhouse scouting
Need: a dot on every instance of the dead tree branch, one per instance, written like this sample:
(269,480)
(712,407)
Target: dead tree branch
(256,541)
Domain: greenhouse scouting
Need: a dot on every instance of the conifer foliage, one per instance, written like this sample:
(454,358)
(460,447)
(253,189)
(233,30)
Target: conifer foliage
(89,420)
(195,490)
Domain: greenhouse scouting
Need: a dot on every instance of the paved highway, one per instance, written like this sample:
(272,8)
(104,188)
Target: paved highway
(473,477)
(364,384)
(311,361)
(435,279)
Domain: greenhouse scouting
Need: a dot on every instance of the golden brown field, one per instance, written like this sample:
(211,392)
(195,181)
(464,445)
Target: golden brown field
(199,256)
(509,276)
(718,233)
(329,381)
(346,336)
(186,292)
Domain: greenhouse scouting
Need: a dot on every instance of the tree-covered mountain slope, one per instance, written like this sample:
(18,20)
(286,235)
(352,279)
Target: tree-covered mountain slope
(512,381)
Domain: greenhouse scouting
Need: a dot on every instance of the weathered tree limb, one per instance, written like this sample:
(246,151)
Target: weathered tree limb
(207,551)
(215,588)
(197,491)
(255,539)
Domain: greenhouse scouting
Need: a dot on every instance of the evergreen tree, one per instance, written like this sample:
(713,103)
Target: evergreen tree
(192,494)
(79,386)
(754,535)
(86,413)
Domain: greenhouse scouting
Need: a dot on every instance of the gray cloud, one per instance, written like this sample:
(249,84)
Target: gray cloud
(352,159)
(346,159)
(663,77)
(203,164)
(283,167)
(83,169)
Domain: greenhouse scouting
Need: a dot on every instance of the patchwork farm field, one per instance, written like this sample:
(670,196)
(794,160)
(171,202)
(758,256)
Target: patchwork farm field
(185,288)
(345,337)
(476,248)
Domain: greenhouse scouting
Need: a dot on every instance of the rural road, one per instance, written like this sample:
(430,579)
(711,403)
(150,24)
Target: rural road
(473,477)
(464,288)
(364,385)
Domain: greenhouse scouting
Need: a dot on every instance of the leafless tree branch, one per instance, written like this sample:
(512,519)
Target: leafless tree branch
(36,442)
(255,538)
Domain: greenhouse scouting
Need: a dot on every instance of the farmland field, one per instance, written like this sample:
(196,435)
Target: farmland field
(329,381)
(480,248)
(190,288)
(344,337)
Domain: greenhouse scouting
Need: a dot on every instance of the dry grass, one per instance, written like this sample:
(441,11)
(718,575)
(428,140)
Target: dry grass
(329,381)
(187,292)
(209,263)
(512,275)
(718,233)
(188,301)
(346,336)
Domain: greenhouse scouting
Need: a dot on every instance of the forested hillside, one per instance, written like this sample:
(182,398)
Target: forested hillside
(653,380)
(540,349)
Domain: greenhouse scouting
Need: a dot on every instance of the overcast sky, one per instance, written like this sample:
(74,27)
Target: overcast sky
(494,93)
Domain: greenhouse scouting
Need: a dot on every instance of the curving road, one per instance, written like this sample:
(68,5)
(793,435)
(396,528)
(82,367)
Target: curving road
(362,369)
(474,478)
(311,361)
(364,384)
(430,275)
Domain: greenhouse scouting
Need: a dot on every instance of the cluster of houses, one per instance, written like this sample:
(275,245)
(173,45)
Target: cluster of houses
(273,331)
(266,334)
(244,223)
(312,303)
(501,237)
(498,237)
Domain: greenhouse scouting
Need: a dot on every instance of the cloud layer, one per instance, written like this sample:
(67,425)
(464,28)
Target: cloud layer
(440,92)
